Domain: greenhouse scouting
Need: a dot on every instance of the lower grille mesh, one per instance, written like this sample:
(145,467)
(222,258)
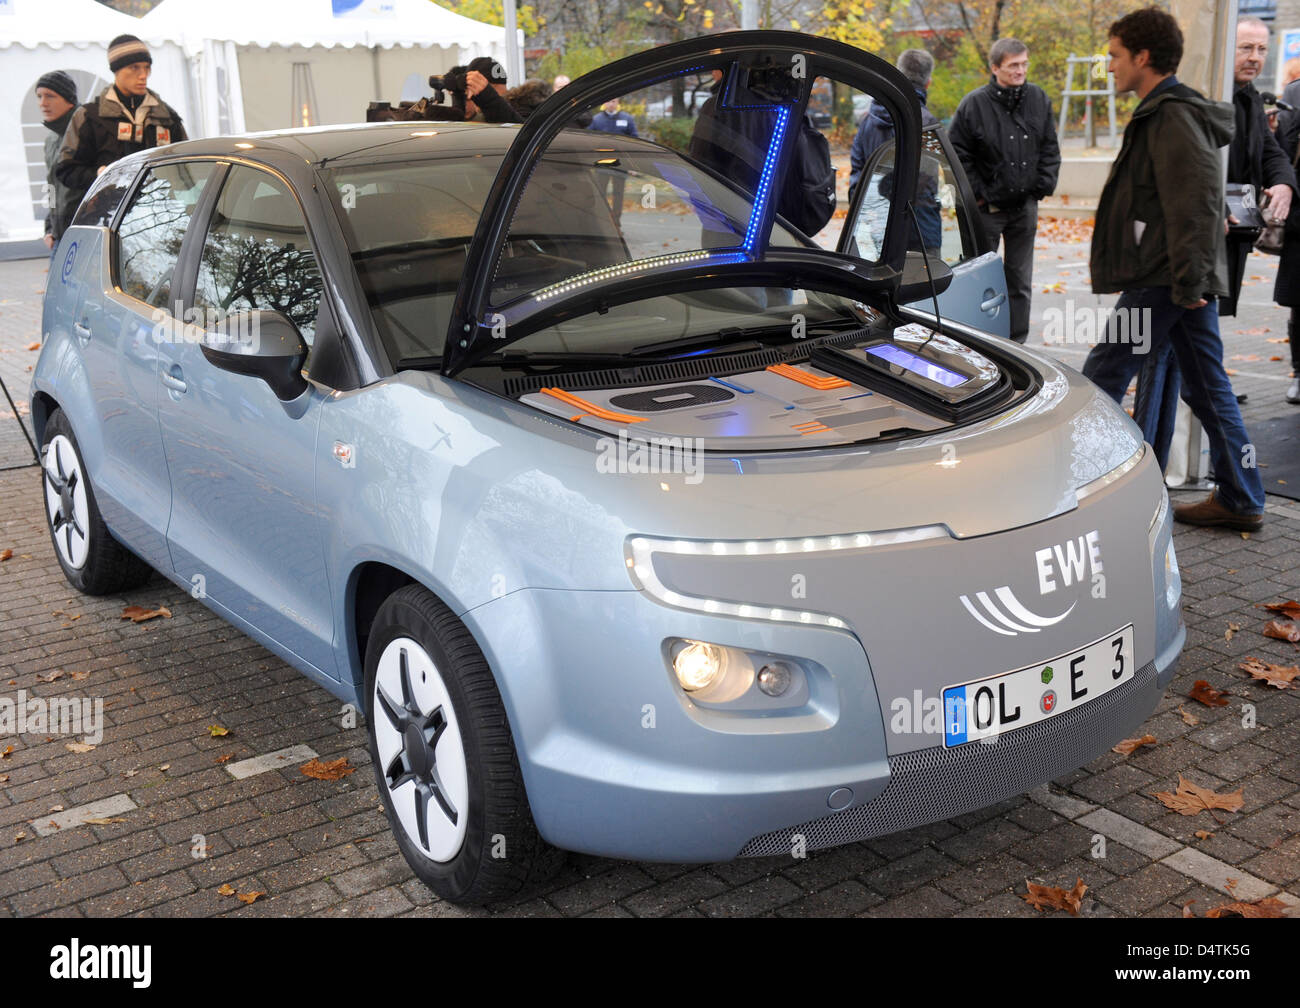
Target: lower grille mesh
(930,785)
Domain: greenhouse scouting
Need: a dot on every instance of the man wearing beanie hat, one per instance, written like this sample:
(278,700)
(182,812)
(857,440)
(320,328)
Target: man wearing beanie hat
(56,94)
(127,117)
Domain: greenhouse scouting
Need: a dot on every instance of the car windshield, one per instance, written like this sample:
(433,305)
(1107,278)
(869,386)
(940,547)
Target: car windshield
(595,202)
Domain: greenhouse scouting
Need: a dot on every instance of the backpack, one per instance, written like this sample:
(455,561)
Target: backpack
(808,192)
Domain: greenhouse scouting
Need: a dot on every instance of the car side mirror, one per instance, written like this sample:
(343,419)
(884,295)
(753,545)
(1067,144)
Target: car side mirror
(261,344)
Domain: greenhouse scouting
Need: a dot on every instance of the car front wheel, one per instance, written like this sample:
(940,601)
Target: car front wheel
(445,763)
(92,560)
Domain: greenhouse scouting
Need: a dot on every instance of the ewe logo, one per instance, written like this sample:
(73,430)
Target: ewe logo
(1005,614)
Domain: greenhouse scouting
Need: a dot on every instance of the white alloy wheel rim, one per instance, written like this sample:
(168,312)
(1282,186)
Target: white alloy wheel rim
(65,501)
(421,753)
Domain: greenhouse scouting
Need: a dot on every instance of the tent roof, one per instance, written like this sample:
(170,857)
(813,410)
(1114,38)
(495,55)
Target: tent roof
(55,23)
(384,23)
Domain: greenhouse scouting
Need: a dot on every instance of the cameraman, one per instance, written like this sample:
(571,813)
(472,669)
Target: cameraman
(485,89)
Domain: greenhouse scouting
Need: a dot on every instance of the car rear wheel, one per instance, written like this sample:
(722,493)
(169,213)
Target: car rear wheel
(445,762)
(92,560)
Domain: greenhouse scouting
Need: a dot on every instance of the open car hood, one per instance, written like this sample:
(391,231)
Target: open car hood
(765,73)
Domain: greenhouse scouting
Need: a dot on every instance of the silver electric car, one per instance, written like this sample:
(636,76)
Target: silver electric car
(639,519)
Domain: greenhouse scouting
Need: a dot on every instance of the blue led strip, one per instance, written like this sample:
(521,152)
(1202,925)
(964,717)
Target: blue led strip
(765,180)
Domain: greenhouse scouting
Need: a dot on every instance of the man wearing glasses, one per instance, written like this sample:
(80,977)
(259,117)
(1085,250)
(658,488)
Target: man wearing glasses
(1254,155)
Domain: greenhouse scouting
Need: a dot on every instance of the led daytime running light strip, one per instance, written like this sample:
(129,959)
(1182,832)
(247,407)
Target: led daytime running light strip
(624,269)
(765,180)
(640,563)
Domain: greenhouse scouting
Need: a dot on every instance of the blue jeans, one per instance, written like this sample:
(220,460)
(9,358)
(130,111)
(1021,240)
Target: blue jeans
(1188,338)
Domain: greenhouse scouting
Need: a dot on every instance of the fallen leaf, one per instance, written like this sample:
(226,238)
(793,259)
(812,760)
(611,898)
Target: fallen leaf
(5,555)
(1190,799)
(1275,358)
(34,346)
(49,678)
(226,889)
(80,675)
(1229,371)
(1289,608)
(1270,907)
(1203,835)
(1281,676)
(138,614)
(1230,884)
(1207,694)
(165,767)
(130,773)
(56,808)
(19,837)
(331,771)
(248,898)
(1188,717)
(1130,744)
(1282,631)
(78,747)
(1232,629)
(1187,909)
(226,758)
(216,731)
(4,754)
(103,822)
(1042,897)
(4,778)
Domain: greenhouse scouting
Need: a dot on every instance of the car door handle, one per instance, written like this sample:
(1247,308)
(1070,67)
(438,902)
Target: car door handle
(82,330)
(174,382)
(992,302)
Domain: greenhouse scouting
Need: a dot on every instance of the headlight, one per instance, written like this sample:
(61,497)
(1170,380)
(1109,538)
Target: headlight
(698,666)
(1102,482)
(1173,579)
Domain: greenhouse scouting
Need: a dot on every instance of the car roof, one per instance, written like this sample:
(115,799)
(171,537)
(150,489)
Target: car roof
(319,145)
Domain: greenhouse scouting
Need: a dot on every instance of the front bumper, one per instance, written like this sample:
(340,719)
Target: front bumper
(616,764)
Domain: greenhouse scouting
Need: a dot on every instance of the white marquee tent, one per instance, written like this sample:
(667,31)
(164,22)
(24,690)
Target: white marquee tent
(313,62)
(226,67)
(37,36)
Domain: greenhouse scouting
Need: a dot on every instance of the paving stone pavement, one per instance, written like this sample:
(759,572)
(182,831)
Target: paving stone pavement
(177,825)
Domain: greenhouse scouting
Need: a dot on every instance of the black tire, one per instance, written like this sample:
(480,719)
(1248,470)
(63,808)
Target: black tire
(107,567)
(501,852)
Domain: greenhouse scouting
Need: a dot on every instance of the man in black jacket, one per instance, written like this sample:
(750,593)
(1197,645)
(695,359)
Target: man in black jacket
(126,117)
(1006,140)
(56,94)
(1254,156)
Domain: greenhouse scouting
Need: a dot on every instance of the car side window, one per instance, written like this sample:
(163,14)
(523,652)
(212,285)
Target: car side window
(257,255)
(940,212)
(106,195)
(150,234)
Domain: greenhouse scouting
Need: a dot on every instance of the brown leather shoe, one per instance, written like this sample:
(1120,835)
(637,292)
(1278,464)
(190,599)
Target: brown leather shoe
(1211,512)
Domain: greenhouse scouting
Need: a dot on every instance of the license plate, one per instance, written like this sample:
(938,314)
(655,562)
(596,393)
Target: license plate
(988,707)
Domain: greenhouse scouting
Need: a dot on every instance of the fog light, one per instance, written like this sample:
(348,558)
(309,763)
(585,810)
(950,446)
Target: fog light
(1173,579)
(774,678)
(697,666)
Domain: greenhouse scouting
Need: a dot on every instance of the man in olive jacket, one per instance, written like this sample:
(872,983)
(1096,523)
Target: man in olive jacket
(1159,238)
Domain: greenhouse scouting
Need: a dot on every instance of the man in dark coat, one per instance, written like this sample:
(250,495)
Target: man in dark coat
(611,120)
(1159,240)
(877,129)
(1005,137)
(126,117)
(1254,156)
(56,94)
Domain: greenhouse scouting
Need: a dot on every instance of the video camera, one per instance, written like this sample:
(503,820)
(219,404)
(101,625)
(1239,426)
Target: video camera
(432,109)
